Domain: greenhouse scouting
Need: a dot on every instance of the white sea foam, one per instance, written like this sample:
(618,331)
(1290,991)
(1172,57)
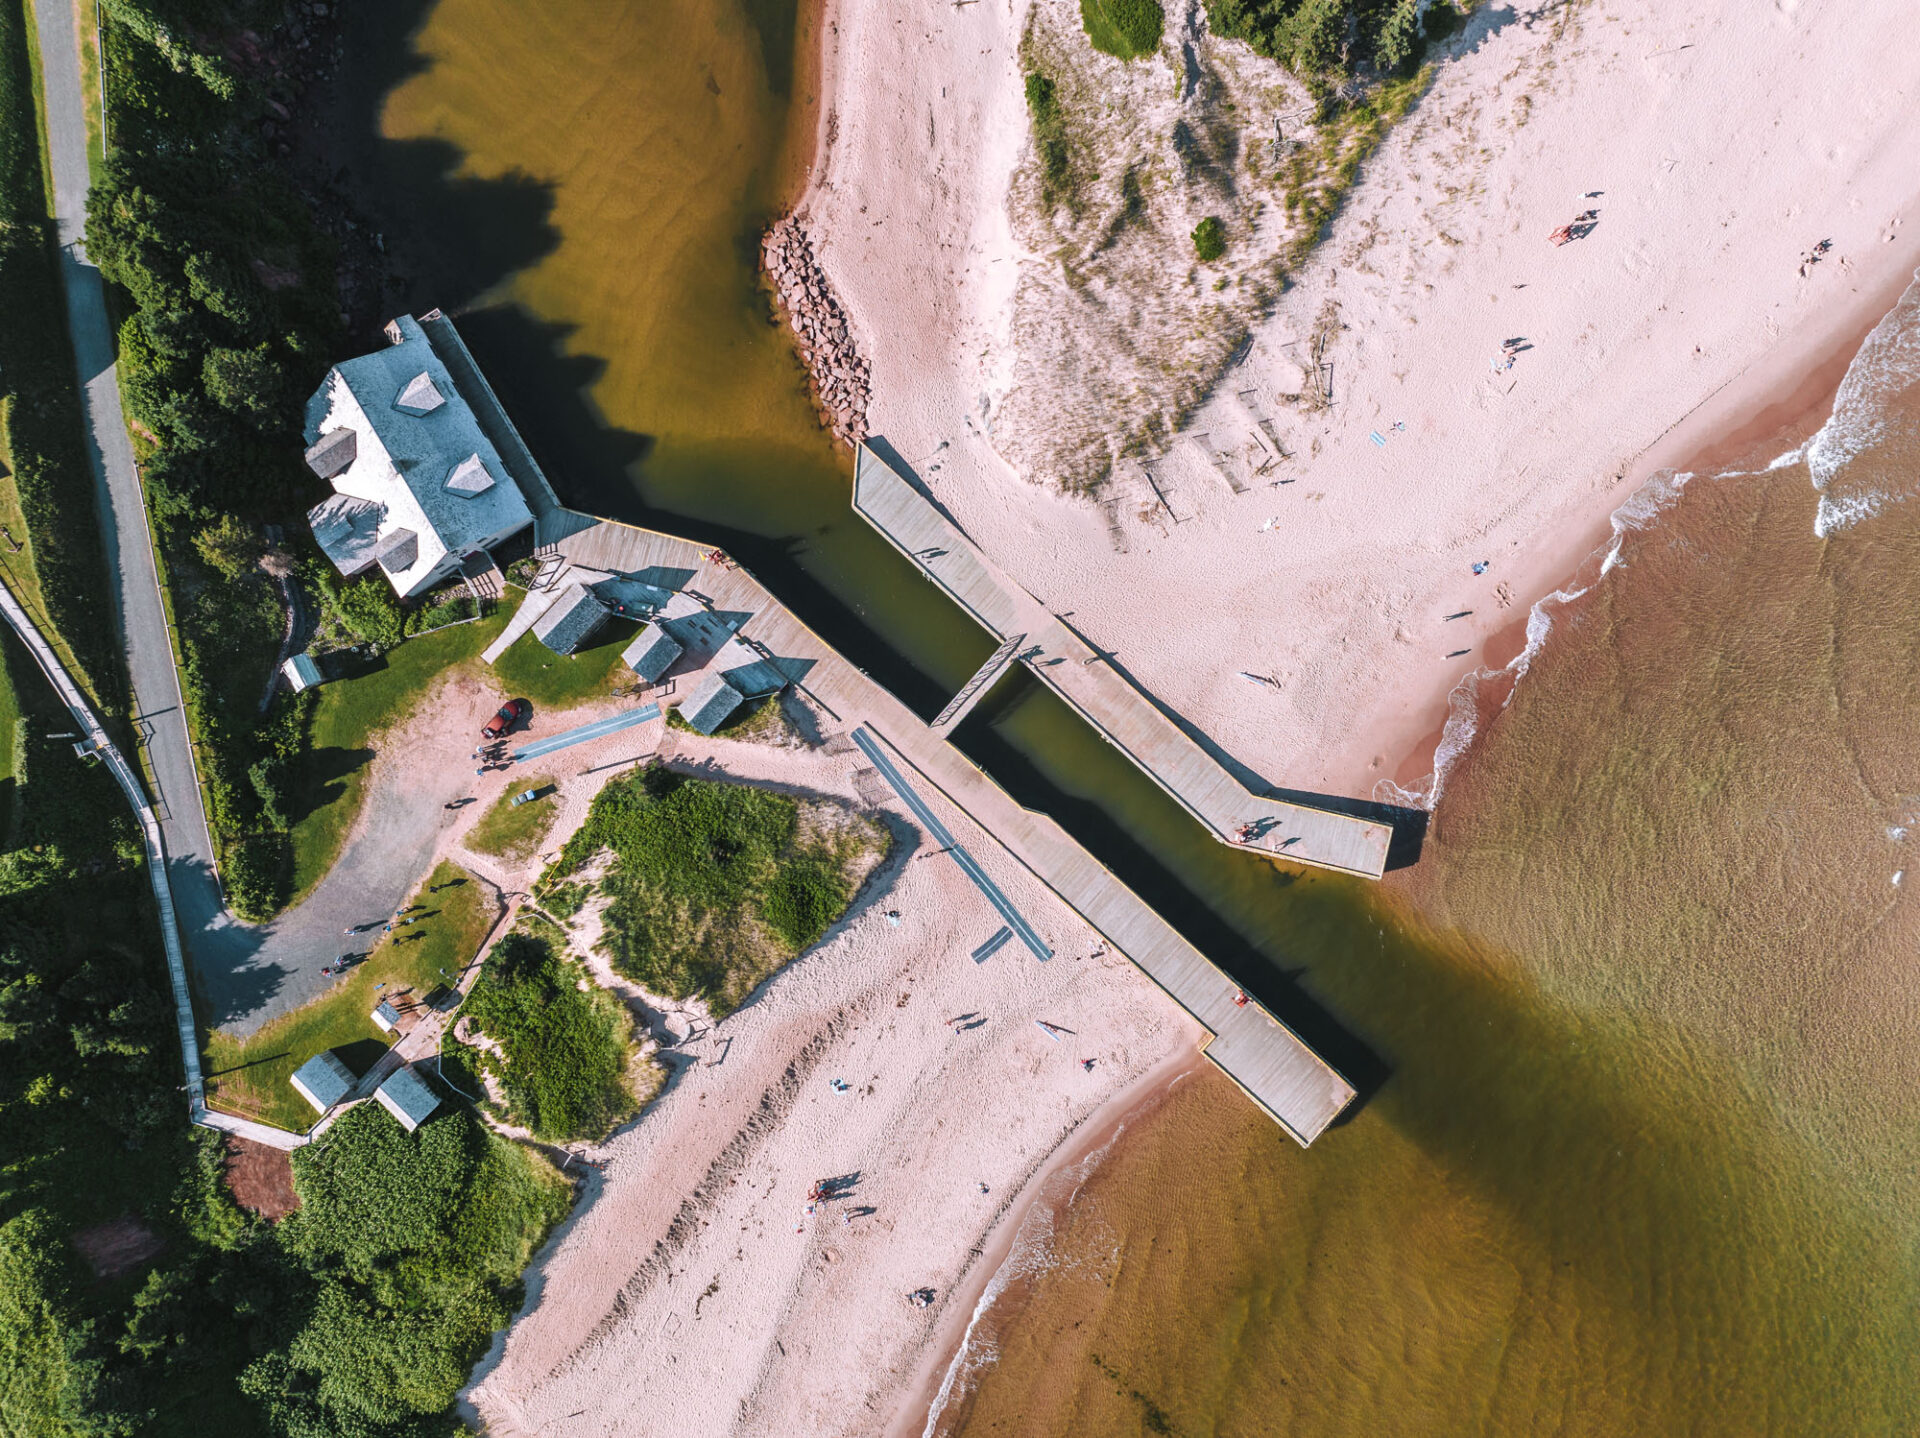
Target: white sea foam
(1864,418)
(1641,510)
(1032,1253)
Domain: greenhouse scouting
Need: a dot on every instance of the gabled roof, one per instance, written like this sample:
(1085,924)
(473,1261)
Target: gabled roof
(470,476)
(571,619)
(408,1098)
(712,703)
(747,670)
(347,530)
(386,1016)
(406,458)
(421,395)
(323,1080)
(301,672)
(398,550)
(652,653)
(332,452)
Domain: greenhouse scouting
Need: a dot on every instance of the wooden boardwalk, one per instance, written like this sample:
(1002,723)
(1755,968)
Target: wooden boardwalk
(1264,1057)
(1119,712)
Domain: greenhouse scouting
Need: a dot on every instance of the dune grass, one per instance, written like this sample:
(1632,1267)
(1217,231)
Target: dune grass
(567,1060)
(715,886)
(507,832)
(249,1076)
(1125,29)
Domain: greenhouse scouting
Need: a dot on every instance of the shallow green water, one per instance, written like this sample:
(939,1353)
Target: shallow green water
(1637,1153)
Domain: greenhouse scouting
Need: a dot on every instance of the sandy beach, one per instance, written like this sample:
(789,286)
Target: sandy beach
(692,1292)
(1716,150)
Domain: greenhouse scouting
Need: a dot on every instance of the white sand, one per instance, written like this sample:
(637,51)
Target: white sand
(681,1300)
(1726,141)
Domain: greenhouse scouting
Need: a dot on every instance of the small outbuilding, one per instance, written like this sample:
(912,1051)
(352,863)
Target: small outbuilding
(323,1080)
(712,703)
(408,1098)
(652,653)
(571,620)
(386,1017)
(301,672)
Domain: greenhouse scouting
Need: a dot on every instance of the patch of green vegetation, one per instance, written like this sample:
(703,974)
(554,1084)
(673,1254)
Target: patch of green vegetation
(412,1245)
(509,832)
(46,487)
(328,783)
(1059,176)
(1315,178)
(1209,239)
(566,1044)
(560,681)
(1126,29)
(1327,41)
(248,1076)
(715,886)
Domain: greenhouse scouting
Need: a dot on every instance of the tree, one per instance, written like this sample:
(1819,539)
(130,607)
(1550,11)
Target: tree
(229,547)
(249,382)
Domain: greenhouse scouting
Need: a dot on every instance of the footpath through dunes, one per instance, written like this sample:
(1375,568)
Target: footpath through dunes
(693,1292)
(1253,1047)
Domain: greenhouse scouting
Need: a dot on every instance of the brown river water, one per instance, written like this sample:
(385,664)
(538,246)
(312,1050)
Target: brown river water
(1638,1152)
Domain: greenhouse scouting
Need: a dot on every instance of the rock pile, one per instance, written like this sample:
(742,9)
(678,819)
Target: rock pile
(840,377)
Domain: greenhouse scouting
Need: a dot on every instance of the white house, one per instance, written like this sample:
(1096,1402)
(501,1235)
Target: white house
(418,483)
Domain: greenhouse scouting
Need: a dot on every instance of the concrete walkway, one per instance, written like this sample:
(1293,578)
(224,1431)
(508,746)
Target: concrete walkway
(140,615)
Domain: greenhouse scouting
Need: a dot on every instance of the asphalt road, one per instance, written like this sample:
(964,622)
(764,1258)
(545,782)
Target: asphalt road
(159,719)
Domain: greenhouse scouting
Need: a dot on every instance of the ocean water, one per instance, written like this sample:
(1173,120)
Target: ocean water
(1647,1157)
(1638,1153)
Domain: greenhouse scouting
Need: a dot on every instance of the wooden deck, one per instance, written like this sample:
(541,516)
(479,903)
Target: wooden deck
(1118,711)
(1265,1058)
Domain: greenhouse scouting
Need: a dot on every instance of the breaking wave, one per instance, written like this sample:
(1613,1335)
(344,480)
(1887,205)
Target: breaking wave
(1864,418)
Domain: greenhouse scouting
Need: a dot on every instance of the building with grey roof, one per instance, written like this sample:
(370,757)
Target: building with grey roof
(712,703)
(323,1080)
(301,672)
(747,669)
(408,1098)
(652,653)
(419,484)
(573,618)
(386,1017)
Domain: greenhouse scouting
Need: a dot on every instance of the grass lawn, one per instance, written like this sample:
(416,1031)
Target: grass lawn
(559,681)
(507,832)
(249,1077)
(715,886)
(349,712)
(19,570)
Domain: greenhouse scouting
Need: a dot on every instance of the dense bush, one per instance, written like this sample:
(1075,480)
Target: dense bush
(414,1243)
(1127,29)
(1326,40)
(1057,181)
(1210,239)
(713,885)
(565,1049)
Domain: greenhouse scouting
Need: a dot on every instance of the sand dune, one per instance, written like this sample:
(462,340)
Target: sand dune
(1716,148)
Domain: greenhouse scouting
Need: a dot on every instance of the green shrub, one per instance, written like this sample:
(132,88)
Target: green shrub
(1324,41)
(714,886)
(368,608)
(1127,29)
(1209,239)
(565,1049)
(229,547)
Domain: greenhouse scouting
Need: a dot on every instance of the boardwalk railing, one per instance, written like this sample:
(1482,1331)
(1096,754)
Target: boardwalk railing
(97,742)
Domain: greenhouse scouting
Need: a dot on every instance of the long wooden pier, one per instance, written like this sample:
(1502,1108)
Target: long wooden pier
(1080,674)
(1258,1052)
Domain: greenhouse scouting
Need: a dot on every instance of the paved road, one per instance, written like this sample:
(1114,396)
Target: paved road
(158,714)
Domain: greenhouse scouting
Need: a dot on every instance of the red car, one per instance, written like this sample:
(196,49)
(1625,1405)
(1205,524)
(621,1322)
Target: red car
(511,713)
